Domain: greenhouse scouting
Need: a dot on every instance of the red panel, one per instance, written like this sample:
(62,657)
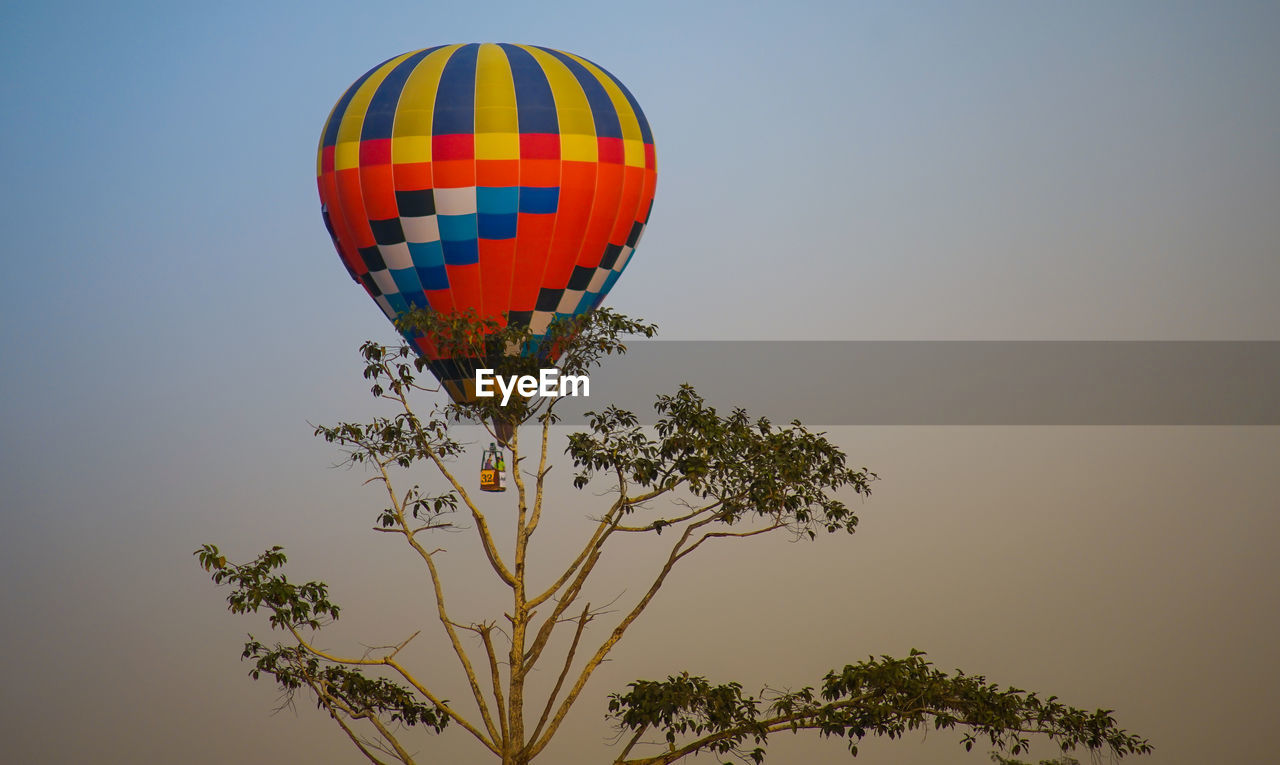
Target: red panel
(533,241)
(459,146)
(375,151)
(497,172)
(453,173)
(650,158)
(543,173)
(351,204)
(632,185)
(440,300)
(539,146)
(326,159)
(577,190)
(377,185)
(611,150)
(427,348)
(497,259)
(464,285)
(346,243)
(413,176)
(604,211)
(646,196)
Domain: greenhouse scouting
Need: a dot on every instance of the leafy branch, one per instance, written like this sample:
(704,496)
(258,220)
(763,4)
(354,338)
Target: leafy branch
(877,697)
(340,686)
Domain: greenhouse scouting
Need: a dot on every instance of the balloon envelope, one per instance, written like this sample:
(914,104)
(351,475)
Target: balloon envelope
(510,180)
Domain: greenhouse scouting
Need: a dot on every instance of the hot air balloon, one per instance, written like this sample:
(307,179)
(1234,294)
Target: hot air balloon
(512,181)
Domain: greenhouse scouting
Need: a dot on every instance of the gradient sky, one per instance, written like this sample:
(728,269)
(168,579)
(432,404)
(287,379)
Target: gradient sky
(175,315)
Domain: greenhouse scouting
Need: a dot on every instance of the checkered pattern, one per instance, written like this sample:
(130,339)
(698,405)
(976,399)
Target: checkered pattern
(513,180)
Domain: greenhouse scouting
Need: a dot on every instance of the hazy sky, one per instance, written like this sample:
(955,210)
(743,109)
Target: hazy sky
(175,316)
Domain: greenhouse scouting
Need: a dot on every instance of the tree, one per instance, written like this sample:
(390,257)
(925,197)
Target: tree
(698,477)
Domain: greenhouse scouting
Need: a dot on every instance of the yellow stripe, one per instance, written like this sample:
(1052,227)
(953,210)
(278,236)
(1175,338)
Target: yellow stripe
(577,127)
(411,133)
(633,152)
(579,148)
(495,94)
(632,138)
(497,146)
(347,154)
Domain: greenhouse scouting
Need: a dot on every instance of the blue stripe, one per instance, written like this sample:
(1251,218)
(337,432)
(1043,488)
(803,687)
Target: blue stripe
(457,228)
(406,279)
(462,253)
(434,277)
(381,114)
(331,127)
(646,134)
(426,254)
(397,303)
(586,303)
(499,226)
(497,200)
(602,111)
(535,105)
(538,200)
(610,280)
(456,94)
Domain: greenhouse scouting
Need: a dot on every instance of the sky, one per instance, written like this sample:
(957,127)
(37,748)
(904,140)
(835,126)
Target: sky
(175,318)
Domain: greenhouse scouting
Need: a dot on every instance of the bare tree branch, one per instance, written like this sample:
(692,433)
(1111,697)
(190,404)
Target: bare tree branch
(613,638)
(564,671)
(482,524)
(443,615)
(496,678)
